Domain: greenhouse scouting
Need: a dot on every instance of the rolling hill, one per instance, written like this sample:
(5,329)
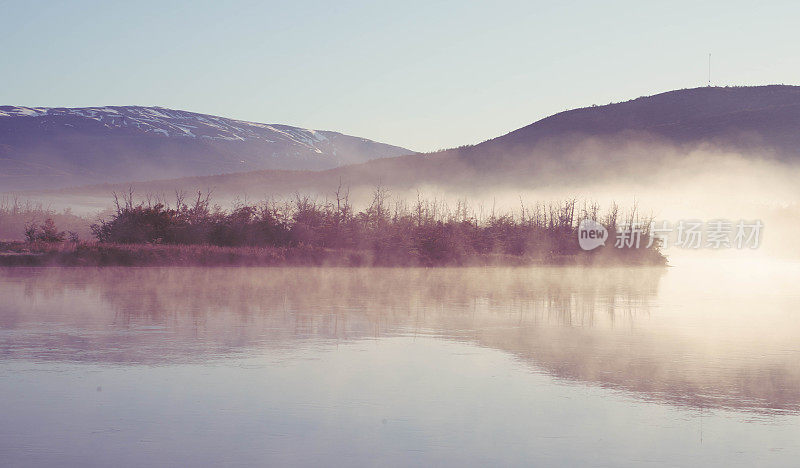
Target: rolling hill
(627,141)
(60,147)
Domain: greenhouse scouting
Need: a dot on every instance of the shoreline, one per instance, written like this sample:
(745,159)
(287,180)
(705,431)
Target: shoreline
(90,254)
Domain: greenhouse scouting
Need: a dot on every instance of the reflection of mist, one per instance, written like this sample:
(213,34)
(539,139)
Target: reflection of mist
(604,326)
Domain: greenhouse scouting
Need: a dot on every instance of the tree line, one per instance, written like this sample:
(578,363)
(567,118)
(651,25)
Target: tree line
(393,231)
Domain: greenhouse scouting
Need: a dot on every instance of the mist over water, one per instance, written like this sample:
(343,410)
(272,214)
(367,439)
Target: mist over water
(705,183)
(695,364)
(360,365)
(670,183)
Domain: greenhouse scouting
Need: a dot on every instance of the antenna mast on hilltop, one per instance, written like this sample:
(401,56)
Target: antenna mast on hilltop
(709,69)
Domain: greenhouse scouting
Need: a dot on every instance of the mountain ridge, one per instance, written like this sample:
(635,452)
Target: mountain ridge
(630,139)
(676,106)
(70,146)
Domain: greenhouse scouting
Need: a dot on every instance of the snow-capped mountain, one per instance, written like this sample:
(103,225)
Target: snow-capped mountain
(55,147)
(176,123)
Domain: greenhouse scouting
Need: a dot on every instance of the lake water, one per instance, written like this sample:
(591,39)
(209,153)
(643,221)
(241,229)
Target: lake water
(695,365)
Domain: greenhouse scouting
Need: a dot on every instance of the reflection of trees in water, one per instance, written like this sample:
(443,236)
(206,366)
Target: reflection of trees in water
(189,298)
(578,324)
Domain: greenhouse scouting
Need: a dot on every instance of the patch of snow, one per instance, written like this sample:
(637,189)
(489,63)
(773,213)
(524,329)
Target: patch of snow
(155,113)
(29,111)
(318,136)
(175,124)
(186,131)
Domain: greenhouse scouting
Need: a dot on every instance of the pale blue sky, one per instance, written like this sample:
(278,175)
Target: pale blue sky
(424,75)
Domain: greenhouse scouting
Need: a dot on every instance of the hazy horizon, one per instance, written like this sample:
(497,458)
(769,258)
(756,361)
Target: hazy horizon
(465,74)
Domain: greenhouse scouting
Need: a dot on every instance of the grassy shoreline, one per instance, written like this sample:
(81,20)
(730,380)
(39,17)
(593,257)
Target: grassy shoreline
(105,254)
(303,231)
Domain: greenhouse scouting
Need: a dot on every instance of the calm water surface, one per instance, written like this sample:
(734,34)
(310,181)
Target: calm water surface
(695,365)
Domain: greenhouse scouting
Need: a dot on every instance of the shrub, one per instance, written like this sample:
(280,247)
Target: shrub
(45,232)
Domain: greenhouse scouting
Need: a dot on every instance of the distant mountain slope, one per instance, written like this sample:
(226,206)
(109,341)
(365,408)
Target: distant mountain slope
(626,141)
(57,147)
(738,117)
